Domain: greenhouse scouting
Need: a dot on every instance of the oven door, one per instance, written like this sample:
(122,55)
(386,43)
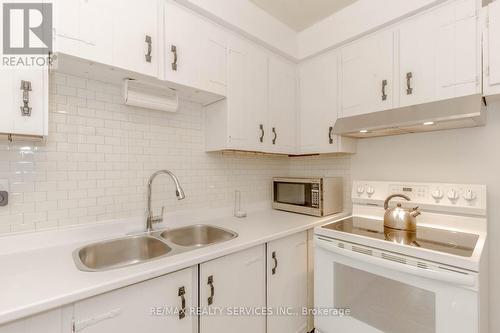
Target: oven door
(356,292)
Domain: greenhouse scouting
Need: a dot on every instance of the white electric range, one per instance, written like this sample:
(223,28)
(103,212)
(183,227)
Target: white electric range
(373,279)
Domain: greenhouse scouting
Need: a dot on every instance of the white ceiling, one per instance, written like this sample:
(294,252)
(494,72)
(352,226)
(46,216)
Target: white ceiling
(301,14)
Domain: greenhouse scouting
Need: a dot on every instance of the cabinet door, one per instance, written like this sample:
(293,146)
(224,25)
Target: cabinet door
(142,307)
(135,36)
(319,101)
(84,28)
(439,54)
(247,91)
(417,51)
(459,51)
(13,120)
(492,54)
(182,45)
(53,321)
(282,105)
(367,75)
(213,58)
(287,283)
(234,281)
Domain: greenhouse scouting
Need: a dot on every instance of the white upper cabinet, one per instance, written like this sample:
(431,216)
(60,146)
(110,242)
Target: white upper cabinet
(282,105)
(133,309)
(195,50)
(182,45)
(366,75)
(84,29)
(319,106)
(235,281)
(136,41)
(439,54)
(24,95)
(213,57)
(247,99)
(241,121)
(491,42)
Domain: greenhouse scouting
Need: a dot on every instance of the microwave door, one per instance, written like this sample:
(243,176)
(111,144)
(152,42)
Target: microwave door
(293,194)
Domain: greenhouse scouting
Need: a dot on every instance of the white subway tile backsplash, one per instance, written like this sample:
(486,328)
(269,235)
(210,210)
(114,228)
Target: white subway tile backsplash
(99,154)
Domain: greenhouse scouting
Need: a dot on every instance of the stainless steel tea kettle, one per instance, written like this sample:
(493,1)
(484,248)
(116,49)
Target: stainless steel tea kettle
(398,217)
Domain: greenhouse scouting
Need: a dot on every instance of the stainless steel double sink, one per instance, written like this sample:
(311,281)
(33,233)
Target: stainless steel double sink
(132,250)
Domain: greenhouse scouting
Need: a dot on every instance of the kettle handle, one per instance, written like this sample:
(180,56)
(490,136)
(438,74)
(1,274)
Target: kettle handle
(386,202)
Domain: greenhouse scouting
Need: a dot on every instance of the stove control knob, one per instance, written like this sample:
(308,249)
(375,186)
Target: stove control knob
(452,195)
(370,190)
(469,195)
(437,194)
(360,190)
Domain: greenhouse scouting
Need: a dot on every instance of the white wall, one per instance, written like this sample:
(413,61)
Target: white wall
(455,156)
(361,17)
(251,21)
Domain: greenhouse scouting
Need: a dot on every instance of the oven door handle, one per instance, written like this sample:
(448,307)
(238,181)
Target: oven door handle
(450,277)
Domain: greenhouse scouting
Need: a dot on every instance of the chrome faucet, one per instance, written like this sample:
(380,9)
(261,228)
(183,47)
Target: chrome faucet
(178,192)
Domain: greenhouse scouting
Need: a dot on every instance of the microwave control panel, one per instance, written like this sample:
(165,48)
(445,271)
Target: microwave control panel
(315,188)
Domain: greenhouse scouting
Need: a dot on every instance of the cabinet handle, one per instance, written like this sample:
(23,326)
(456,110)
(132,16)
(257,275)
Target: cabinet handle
(25,108)
(149,41)
(262,133)
(212,289)
(173,49)
(275,135)
(409,89)
(330,132)
(384,85)
(275,262)
(182,312)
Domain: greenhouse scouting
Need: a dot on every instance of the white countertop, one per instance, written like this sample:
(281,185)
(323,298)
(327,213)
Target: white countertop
(43,275)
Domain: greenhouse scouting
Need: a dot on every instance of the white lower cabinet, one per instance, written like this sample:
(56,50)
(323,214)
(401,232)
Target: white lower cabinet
(234,282)
(287,279)
(234,294)
(142,307)
(54,321)
(24,98)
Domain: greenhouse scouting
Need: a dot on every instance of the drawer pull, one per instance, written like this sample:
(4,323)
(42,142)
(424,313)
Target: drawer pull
(149,41)
(212,289)
(83,324)
(182,312)
(275,262)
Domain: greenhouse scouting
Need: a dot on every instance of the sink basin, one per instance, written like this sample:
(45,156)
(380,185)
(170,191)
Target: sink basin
(198,235)
(119,253)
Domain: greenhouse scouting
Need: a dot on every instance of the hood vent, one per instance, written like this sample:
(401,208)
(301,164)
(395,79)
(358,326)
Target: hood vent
(461,112)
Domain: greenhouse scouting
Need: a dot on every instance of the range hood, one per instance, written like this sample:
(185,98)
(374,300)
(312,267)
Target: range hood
(460,112)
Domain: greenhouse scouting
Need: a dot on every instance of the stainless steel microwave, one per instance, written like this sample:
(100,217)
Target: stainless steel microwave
(320,196)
